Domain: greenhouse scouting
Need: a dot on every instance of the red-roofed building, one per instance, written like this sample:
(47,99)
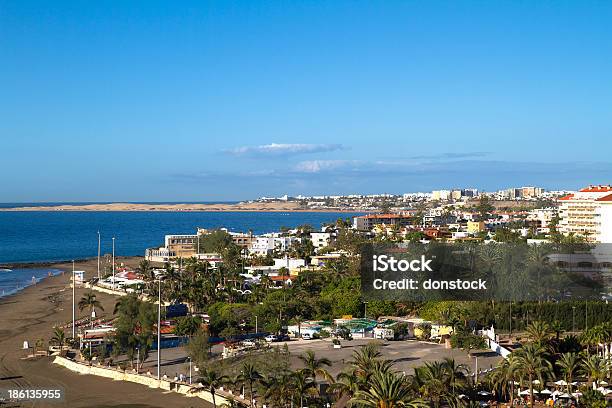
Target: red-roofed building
(588,212)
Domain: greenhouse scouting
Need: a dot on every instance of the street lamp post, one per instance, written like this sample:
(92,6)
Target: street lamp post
(73,302)
(586,316)
(98,255)
(256,326)
(159,329)
(189,370)
(137,360)
(113,263)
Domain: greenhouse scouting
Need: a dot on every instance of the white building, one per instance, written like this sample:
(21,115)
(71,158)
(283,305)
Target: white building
(588,212)
(320,239)
(266,244)
(542,215)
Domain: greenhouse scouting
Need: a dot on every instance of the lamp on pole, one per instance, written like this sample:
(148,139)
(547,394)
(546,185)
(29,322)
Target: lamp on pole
(98,255)
(256,326)
(189,370)
(586,316)
(158,328)
(73,302)
(137,360)
(113,263)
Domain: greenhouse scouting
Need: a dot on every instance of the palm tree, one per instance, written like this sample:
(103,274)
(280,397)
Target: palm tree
(363,358)
(557,328)
(531,361)
(456,373)
(502,378)
(303,384)
(539,332)
(347,383)
(90,301)
(386,390)
(59,338)
(211,380)
(569,363)
(250,375)
(432,381)
(595,368)
(314,366)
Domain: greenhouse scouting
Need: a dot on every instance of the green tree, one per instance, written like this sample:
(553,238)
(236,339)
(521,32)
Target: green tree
(569,364)
(532,363)
(212,380)
(89,301)
(198,348)
(187,326)
(386,390)
(315,366)
(59,338)
(250,375)
(134,325)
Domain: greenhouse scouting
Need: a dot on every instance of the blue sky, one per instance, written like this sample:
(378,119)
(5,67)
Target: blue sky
(167,101)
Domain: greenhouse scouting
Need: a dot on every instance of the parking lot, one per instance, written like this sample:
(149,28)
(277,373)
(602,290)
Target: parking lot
(405,354)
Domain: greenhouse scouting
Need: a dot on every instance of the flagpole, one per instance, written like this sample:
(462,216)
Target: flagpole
(73,302)
(98,255)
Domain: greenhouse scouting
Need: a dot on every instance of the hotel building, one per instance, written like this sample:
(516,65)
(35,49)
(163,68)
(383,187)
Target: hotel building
(588,212)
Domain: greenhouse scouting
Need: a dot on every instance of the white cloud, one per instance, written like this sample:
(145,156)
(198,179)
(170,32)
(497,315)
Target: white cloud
(318,166)
(278,149)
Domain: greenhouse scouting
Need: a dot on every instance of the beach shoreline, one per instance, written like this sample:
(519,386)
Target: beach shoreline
(30,314)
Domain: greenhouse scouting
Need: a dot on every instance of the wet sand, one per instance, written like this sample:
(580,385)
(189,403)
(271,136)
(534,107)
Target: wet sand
(31,314)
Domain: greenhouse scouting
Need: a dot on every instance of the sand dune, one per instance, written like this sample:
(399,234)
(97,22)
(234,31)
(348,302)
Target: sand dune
(277,206)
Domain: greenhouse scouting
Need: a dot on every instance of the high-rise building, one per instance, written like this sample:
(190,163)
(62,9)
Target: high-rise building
(588,212)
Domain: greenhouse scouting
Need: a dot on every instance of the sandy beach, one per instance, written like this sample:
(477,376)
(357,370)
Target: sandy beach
(30,315)
(255,207)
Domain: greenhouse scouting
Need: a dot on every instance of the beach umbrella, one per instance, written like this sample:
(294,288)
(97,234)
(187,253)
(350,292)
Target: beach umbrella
(536,381)
(556,393)
(524,392)
(545,391)
(606,391)
(603,383)
(561,382)
(565,395)
(484,393)
(577,394)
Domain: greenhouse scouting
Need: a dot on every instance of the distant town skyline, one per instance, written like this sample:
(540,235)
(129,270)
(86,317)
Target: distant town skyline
(127,101)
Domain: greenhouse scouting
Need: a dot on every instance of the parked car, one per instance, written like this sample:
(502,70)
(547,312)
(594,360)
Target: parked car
(270,338)
(307,336)
(249,343)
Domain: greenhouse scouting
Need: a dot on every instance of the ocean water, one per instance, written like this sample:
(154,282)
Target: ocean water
(57,236)
(54,235)
(14,280)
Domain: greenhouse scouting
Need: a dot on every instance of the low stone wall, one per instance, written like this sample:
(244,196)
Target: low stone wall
(106,290)
(152,382)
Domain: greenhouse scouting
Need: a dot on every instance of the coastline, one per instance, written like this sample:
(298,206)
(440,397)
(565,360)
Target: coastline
(30,314)
(63,266)
(239,207)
